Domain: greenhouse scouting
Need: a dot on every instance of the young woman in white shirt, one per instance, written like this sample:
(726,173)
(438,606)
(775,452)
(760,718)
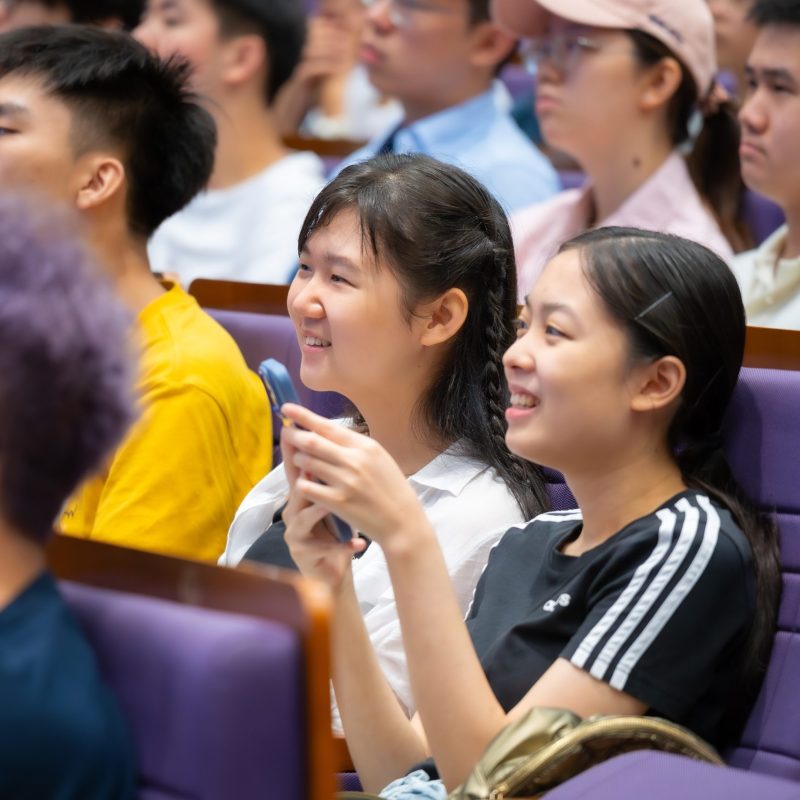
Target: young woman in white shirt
(405,302)
(658,595)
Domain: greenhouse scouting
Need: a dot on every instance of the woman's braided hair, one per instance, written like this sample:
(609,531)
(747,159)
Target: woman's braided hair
(438,228)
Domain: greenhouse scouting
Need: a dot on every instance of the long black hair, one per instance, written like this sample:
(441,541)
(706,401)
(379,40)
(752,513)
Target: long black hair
(438,228)
(676,297)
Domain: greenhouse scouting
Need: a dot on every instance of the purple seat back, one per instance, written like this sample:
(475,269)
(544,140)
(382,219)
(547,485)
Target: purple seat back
(762,432)
(215,700)
(261,336)
(761,215)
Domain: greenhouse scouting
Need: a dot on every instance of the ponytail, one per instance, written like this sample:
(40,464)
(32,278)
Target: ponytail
(714,166)
(705,467)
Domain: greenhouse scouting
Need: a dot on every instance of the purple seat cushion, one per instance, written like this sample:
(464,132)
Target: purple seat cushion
(215,700)
(762,215)
(261,336)
(662,776)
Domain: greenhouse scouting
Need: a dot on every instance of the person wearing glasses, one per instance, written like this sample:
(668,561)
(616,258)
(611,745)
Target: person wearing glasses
(628,91)
(439,59)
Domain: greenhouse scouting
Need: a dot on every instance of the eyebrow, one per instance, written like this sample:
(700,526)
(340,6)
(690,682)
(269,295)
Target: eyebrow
(11,109)
(334,259)
(771,73)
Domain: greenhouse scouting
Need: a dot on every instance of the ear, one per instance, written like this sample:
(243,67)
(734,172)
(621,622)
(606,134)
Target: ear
(98,178)
(658,384)
(245,56)
(661,82)
(442,319)
(490,45)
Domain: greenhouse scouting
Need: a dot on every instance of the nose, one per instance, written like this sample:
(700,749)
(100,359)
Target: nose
(752,115)
(304,300)
(518,357)
(378,13)
(144,34)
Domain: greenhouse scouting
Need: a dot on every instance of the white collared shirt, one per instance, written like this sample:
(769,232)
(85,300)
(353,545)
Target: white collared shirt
(770,284)
(469,507)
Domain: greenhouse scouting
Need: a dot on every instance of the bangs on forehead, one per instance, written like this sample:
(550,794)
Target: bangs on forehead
(372,203)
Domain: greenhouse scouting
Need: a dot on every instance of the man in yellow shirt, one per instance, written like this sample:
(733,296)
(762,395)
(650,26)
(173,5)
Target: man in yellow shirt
(91,118)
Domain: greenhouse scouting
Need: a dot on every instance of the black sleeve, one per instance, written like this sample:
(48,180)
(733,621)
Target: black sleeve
(670,610)
(271,547)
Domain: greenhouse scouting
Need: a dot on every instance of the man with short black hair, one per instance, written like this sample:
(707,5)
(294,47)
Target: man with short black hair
(439,59)
(245,226)
(769,276)
(95,121)
(65,402)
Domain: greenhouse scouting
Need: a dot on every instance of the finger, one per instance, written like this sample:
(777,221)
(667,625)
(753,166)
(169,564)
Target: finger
(333,431)
(318,446)
(300,526)
(320,469)
(321,495)
(288,452)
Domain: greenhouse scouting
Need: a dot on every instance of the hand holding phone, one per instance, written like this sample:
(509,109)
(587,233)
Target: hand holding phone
(280,390)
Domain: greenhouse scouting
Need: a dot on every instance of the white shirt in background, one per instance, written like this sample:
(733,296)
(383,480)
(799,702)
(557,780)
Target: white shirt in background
(770,284)
(246,232)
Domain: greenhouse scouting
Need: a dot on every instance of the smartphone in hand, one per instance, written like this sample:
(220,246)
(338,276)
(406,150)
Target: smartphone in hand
(280,390)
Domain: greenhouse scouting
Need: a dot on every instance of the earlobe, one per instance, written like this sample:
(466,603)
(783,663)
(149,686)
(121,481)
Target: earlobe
(660,384)
(100,179)
(443,318)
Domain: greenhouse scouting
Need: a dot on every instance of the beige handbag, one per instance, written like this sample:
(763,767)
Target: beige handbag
(548,746)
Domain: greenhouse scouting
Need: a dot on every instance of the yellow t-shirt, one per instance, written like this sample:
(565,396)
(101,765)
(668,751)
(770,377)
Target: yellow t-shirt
(203,440)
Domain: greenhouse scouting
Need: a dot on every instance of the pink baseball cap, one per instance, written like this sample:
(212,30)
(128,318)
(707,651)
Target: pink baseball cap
(684,26)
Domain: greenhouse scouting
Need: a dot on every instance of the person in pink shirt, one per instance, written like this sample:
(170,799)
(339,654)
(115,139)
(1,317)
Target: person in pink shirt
(626,88)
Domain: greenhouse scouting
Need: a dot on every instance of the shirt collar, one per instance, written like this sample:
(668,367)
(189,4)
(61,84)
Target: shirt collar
(448,125)
(449,472)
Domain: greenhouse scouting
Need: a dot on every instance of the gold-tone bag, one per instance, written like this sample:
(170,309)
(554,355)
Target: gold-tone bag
(548,746)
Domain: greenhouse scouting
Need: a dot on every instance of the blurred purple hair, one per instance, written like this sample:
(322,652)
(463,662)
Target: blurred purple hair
(65,369)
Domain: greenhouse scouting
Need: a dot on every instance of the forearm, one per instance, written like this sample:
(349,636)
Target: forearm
(380,737)
(448,683)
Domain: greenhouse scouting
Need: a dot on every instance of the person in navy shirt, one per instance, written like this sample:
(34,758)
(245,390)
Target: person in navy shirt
(65,401)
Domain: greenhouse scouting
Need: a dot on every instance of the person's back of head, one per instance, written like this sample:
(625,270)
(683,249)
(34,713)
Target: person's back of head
(121,101)
(228,42)
(770,114)
(66,396)
(437,228)
(113,14)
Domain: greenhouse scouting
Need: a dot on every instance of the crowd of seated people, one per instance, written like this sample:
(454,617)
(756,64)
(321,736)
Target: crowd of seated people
(405,273)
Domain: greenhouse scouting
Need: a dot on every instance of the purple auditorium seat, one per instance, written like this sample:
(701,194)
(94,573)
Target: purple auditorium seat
(216,700)
(762,215)
(261,336)
(762,438)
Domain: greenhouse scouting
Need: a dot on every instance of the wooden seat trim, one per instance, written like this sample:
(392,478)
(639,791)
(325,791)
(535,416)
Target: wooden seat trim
(254,590)
(259,298)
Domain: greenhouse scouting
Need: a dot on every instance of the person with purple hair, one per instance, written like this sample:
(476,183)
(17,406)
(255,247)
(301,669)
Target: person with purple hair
(65,402)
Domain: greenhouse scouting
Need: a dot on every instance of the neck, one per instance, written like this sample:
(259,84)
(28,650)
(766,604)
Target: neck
(416,108)
(613,497)
(124,259)
(390,422)
(617,173)
(23,560)
(791,248)
(247,142)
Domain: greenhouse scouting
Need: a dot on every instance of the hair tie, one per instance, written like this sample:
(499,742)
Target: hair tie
(717,97)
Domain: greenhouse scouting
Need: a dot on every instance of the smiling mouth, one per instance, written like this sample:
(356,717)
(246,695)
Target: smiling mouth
(313,341)
(523,401)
